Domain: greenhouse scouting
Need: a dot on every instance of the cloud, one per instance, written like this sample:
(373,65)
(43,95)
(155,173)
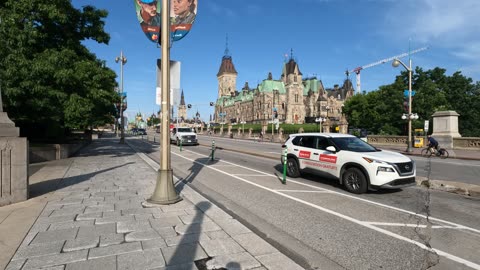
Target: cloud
(445,24)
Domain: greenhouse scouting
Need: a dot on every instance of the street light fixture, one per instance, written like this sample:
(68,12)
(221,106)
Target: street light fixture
(123,60)
(396,62)
(243,126)
(320,120)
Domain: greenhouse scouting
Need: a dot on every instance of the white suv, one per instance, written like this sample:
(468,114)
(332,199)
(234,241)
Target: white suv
(358,165)
(185,134)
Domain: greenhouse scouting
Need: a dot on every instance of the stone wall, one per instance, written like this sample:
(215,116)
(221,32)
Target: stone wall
(13,170)
(53,152)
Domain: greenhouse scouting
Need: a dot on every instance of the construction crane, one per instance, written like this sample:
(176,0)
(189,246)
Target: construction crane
(358,69)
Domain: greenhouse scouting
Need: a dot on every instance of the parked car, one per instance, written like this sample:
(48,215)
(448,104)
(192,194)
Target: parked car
(356,164)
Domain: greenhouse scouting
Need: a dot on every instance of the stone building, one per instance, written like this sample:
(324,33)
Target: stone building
(294,98)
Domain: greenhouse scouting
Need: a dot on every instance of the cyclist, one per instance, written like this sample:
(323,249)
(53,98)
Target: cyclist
(432,143)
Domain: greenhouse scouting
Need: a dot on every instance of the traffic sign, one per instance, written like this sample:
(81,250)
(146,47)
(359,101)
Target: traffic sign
(425,127)
(405,93)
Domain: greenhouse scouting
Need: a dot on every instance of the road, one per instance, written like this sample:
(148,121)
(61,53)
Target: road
(464,171)
(320,226)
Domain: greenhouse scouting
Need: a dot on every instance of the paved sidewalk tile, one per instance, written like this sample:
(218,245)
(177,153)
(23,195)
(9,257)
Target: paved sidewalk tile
(234,261)
(114,250)
(148,259)
(278,261)
(53,260)
(221,247)
(254,244)
(183,254)
(106,263)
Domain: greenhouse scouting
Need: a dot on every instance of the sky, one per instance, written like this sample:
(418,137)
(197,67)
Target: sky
(325,37)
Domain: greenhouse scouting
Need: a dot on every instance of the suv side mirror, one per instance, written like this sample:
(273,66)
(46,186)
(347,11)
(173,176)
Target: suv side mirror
(331,149)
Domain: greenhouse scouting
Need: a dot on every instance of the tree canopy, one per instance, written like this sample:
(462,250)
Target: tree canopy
(380,111)
(50,81)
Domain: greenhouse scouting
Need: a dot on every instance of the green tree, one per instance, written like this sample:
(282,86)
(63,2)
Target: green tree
(50,81)
(380,111)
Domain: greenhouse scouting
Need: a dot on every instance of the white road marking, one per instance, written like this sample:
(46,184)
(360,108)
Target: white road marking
(411,225)
(260,175)
(353,220)
(356,198)
(302,191)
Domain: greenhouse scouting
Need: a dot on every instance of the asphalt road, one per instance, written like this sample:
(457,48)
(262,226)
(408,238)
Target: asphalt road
(456,170)
(316,223)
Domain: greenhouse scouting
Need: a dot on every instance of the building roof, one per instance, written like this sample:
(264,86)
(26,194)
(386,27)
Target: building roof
(227,66)
(269,85)
(290,66)
(311,84)
(182,99)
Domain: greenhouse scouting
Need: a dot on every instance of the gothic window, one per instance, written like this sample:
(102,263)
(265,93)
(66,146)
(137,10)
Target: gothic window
(296,97)
(283,106)
(295,78)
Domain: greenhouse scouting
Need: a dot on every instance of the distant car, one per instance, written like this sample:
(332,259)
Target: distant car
(184,134)
(141,131)
(134,131)
(356,164)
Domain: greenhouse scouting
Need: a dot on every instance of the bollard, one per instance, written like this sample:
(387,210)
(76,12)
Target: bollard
(181,140)
(285,165)
(213,150)
(153,138)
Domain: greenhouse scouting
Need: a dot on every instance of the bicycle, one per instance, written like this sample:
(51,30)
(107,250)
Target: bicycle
(429,151)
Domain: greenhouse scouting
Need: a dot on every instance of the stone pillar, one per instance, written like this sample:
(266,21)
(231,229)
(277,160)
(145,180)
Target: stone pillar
(13,162)
(445,128)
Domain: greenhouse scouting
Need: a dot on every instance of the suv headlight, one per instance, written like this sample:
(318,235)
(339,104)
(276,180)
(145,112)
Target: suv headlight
(380,168)
(371,160)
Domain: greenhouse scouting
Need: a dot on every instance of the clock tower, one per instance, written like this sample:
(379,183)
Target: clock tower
(227,76)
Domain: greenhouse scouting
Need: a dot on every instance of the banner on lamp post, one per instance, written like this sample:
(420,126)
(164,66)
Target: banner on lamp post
(182,17)
(174,83)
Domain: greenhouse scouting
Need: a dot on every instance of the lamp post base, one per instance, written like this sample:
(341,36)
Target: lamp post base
(164,192)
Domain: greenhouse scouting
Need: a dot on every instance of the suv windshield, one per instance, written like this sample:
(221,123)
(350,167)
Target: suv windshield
(353,144)
(184,130)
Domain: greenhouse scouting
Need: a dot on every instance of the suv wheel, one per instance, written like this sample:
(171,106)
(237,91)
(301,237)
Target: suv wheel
(355,181)
(293,170)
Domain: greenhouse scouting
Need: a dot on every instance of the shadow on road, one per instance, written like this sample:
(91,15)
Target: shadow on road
(195,169)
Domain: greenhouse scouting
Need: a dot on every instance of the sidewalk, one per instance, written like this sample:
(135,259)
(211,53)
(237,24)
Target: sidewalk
(88,214)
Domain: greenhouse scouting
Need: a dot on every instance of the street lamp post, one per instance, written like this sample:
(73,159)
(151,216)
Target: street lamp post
(123,60)
(396,62)
(165,192)
(320,120)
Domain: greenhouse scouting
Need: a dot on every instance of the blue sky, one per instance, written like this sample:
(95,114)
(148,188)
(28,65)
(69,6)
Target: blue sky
(326,36)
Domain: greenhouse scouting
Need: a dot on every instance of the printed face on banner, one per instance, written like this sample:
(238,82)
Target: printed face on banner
(182,16)
(148,14)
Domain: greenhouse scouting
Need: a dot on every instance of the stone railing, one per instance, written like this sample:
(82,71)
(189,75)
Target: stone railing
(391,140)
(471,143)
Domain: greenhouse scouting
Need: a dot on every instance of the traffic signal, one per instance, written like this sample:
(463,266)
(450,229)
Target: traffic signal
(189,106)
(211,103)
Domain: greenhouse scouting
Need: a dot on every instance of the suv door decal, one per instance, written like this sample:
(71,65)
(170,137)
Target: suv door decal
(304,154)
(328,158)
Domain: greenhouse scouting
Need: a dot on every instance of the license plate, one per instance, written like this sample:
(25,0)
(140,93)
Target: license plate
(189,140)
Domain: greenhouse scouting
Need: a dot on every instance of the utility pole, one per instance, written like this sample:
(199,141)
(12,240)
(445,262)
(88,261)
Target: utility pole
(123,60)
